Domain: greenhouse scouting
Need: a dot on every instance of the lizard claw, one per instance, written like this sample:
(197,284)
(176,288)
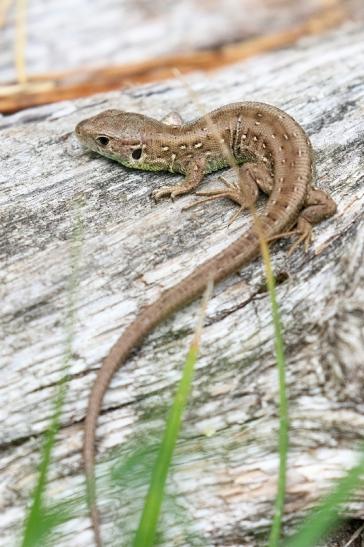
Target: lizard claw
(169,191)
(305,236)
(163,192)
(235,216)
(304,232)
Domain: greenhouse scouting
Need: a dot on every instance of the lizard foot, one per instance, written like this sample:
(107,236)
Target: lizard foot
(168,191)
(231,191)
(304,232)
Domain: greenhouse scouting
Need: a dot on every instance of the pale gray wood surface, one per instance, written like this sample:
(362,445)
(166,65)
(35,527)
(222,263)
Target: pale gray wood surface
(226,463)
(79,33)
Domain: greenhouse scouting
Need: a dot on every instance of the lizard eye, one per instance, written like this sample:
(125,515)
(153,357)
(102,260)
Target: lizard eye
(136,154)
(102,140)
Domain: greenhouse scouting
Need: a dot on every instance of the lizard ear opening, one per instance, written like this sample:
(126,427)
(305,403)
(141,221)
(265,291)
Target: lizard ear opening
(102,140)
(136,154)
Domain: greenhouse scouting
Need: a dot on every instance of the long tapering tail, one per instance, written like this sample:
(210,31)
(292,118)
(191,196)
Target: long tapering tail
(237,254)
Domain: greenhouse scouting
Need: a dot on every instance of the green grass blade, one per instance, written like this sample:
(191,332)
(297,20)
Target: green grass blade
(283,403)
(325,516)
(39,522)
(146,532)
(36,526)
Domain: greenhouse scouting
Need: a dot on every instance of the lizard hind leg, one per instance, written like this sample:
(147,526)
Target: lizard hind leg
(244,192)
(318,206)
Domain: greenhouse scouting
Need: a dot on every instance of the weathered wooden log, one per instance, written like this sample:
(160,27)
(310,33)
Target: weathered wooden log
(225,470)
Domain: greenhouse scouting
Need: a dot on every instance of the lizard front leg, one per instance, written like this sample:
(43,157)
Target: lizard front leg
(194,175)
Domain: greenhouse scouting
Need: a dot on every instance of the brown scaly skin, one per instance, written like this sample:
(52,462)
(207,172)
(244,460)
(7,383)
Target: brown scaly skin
(274,155)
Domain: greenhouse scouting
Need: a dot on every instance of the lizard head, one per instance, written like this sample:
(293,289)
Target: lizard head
(117,135)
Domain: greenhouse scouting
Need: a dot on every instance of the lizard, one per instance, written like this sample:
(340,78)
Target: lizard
(271,152)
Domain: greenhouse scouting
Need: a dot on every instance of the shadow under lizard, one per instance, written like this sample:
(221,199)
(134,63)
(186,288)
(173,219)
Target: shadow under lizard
(273,154)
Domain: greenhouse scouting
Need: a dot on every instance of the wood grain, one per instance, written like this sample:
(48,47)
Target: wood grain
(149,43)
(84,34)
(225,468)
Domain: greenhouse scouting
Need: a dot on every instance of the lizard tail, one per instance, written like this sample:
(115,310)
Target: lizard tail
(228,261)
